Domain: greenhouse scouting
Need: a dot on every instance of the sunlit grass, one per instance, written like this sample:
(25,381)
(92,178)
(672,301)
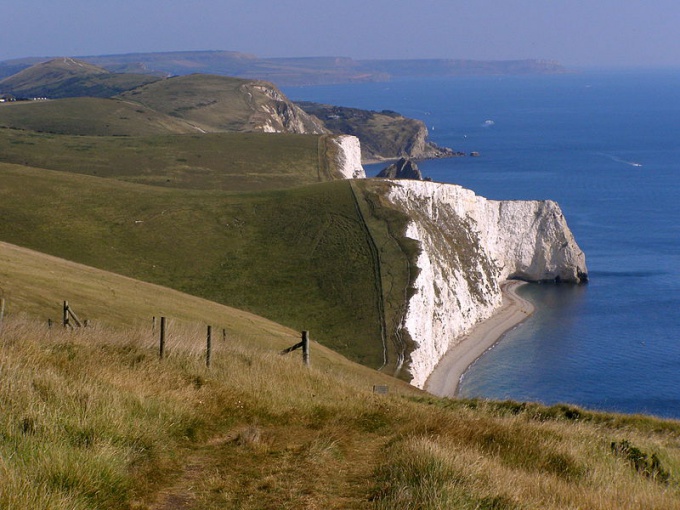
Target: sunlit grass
(93,418)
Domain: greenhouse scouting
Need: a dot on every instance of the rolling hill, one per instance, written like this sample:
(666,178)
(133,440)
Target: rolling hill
(301,257)
(196,103)
(217,103)
(67,77)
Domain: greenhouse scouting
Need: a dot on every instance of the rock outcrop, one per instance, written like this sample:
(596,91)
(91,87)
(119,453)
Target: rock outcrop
(469,246)
(402,169)
(278,114)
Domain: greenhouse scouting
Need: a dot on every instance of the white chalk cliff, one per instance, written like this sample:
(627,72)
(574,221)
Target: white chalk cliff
(469,246)
(348,158)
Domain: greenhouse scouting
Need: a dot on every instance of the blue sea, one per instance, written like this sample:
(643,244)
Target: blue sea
(606,147)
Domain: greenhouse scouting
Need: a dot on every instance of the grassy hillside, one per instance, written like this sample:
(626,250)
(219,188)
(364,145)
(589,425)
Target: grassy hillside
(92,419)
(66,77)
(302,257)
(227,161)
(219,103)
(86,116)
(211,102)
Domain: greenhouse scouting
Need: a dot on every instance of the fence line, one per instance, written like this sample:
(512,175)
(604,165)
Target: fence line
(70,314)
(304,344)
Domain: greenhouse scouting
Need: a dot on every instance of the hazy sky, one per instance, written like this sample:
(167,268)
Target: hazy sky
(575,32)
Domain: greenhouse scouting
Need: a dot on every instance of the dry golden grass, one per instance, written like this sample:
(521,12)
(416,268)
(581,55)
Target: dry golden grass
(91,418)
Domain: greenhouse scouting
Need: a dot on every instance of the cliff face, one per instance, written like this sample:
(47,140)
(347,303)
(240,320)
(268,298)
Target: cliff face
(347,156)
(469,246)
(274,113)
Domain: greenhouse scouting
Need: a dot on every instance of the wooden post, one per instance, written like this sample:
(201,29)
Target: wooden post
(153,325)
(70,314)
(65,320)
(2,310)
(49,323)
(224,335)
(162,344)
(207,351)
(305,347)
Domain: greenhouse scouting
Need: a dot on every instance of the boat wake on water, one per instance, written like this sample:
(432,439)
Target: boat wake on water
(618,159)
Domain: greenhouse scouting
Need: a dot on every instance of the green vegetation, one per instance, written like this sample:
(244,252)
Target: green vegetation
(87,116)
(214,103)
(301,256)
(66,77)
(227,161)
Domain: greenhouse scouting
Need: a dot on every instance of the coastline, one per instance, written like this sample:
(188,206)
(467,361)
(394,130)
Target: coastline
(445,378)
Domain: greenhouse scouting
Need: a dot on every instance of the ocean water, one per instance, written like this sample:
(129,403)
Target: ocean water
(606,147)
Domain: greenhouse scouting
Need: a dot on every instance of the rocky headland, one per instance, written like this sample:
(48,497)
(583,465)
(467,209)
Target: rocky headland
(384,135)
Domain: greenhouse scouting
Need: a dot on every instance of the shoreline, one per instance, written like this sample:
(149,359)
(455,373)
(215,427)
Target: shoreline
(445,378)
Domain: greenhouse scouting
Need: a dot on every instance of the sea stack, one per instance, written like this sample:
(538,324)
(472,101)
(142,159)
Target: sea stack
(402,169)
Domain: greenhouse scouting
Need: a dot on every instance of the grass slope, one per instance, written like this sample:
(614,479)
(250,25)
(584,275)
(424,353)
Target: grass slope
(301,257)
(66,77)
(86,116)
(211,102)
(219,103)
(227,161)
(92,419)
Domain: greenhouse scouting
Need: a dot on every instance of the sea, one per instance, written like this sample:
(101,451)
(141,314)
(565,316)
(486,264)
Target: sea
(605,145)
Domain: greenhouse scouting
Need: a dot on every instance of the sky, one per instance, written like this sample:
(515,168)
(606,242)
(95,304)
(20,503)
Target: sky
(577,33)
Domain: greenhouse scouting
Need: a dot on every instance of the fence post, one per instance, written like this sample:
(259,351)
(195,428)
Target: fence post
(224,335)
(305,347)
(207,351)
(162,343)
(65,319)
(2,310)
(153,325)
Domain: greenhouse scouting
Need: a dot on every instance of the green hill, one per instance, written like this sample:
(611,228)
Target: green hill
(196,103)
(303,257)
(218,103)
(67,77)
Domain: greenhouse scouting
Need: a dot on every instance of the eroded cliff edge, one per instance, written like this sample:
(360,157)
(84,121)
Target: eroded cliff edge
(468,246)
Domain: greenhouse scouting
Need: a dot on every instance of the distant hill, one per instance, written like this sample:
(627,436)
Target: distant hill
(218,103)
(145,104)
(302,71)
(67,77)
(98,102)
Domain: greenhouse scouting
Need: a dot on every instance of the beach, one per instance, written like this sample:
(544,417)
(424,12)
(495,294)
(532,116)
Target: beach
(444,379)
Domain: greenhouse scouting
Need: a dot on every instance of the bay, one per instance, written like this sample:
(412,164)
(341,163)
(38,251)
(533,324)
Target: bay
(606,147)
